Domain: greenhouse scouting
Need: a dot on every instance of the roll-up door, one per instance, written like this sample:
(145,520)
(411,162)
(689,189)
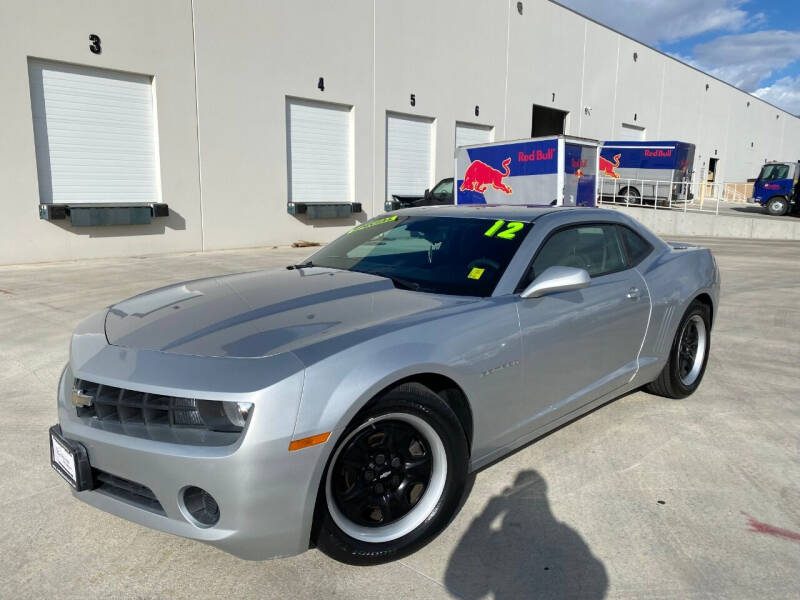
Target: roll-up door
(320,152)
(630,133)
(95,134)
(409,155)
(468,134)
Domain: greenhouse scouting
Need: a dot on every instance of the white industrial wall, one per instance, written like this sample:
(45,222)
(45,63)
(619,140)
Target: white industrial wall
(150,37)
(223,148)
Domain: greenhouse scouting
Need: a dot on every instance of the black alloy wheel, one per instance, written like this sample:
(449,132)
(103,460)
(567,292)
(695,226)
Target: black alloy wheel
(394,479)
(381,473)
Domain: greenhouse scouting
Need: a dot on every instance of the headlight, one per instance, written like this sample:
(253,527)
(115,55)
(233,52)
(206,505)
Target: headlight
(237,412)
(224,416)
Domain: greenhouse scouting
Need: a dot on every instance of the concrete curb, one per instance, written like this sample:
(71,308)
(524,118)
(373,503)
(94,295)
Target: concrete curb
(679,223)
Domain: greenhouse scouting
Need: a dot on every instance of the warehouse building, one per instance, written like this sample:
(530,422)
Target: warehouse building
(237,114)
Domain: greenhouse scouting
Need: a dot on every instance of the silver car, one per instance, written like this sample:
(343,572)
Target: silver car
(342,402)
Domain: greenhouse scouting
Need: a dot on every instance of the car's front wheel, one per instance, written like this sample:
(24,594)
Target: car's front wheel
(394,480)
(777,206)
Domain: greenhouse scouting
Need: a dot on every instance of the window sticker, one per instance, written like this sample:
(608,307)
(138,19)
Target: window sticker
(373,223)
(509,233)
(475,273)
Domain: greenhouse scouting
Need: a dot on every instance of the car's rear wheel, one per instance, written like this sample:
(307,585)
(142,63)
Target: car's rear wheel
(394,480)
(688,355)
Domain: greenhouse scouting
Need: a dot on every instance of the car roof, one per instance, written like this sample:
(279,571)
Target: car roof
(508,212)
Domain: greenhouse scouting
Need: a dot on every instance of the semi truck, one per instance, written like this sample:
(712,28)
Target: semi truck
(646,172)
(777,189)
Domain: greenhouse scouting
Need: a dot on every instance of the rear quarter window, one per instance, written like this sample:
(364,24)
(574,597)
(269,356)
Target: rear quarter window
(636,246)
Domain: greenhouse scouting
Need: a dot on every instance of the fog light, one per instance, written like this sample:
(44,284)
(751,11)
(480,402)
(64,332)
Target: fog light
(201,506)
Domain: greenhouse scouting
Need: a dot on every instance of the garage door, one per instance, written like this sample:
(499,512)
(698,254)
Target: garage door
(409,155)
(630,133)
(320,152)
(95,134)
(468,134)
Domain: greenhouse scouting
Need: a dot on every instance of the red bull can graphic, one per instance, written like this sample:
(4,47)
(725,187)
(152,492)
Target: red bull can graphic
(479,176)
(549,170)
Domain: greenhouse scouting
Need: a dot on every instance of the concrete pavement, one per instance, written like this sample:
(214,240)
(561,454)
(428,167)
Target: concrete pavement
(643,498)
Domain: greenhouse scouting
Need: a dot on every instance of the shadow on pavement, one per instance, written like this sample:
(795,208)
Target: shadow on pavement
(517,549)
(750,209)
(759,210)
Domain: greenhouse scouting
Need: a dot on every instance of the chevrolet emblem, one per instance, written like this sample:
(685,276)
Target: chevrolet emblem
(81,398)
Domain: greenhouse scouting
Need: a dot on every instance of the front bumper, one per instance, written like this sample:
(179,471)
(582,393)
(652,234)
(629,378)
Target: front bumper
(265,493)
(754,201)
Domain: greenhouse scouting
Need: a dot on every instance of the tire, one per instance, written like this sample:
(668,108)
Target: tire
(681,377)
(630,195)
(408,438)
(777,206)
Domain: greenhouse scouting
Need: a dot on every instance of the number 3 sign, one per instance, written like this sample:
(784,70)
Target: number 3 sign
(94,44)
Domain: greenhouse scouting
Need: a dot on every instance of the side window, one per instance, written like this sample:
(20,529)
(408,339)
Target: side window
(638,248)
(595,248)
(444,189)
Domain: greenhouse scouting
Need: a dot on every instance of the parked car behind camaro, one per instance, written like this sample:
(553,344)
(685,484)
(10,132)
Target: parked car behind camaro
(342,402)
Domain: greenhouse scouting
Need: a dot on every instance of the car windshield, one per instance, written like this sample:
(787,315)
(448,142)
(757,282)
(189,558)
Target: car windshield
(772,172)
(444,255)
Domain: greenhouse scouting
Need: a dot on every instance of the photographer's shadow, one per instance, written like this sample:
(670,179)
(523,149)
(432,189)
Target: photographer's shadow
(517,549)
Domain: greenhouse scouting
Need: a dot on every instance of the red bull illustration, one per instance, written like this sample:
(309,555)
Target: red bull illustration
(479,176)
(609,168)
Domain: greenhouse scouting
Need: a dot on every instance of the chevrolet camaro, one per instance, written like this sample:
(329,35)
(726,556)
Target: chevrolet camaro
(342,402)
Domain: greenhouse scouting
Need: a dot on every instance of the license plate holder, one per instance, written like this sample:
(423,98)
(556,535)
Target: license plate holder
(70,460)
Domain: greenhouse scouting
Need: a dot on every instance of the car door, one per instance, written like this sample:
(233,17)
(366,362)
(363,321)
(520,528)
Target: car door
(579,345)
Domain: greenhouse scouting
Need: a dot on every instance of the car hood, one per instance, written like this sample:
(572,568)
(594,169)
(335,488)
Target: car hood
(262,313)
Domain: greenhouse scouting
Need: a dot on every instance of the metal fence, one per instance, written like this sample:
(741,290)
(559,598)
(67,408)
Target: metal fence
(682,195)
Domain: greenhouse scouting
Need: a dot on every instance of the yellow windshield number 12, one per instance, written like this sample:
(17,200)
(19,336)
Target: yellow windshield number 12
(506,231)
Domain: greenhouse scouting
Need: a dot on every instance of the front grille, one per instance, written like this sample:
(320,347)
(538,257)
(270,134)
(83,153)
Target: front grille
(154,416)
(127,491)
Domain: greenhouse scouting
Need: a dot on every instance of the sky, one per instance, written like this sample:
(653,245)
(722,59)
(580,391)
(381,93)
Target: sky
(752,44)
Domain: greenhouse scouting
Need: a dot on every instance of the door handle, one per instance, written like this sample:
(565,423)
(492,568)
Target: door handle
(633,293)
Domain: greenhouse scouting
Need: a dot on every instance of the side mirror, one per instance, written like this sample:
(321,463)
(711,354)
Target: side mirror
(427,193)
(557,279)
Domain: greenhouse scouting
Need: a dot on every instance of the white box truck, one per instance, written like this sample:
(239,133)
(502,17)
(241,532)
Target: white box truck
(554,170)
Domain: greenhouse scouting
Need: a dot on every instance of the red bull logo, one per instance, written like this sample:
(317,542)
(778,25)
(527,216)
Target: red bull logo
(480,176)
(608,167)
(537,155)
(578,164)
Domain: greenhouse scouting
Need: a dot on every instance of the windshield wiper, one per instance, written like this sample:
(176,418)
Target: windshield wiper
(304,265)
